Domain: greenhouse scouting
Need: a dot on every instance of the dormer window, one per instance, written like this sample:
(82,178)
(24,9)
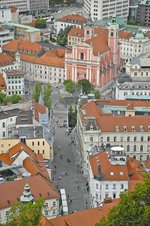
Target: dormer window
(125,128)
(141,129)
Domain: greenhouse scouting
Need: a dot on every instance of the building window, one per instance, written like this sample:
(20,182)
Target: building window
(91,139)
(106,195)
(87,32)
(114,186)
(54,203)
(32,143)
(46,212)
(46,204)
(101,139)
(43,143)
(96,196)
(3,134)
(3,125)
(122,186)
(142,138)
(112,34)
(134,148)
(106,186)
(108,139)
(148,147)
(54,212)
(128,147)
(38,143)
(121,139)
(43,152)
(115,139)
(141,157)
(134,139)
(38,152)
(128,139)
(82,56)
(7,213)
(114,195)
(96,186)
(141,148)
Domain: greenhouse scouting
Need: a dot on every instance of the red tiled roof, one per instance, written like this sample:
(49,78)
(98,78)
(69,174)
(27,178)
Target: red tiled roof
(148,163)
(5,59)
(30,47)
(148,34)
(75,19)
(5,158)
(21,147)
(76,32)
(38,108)
(14,189)
(87,217)
(2,83)
(13,9)
(35,168)
(107,122)
(107,168)
(132,184)
(124,34)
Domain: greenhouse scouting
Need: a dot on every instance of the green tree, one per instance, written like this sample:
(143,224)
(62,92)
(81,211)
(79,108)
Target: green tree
(47,96)
(133,209)
(70,110)
(15,98)
(62,36)
(36,92)
(6,100)
(2,96)
(97,94)
(28,214)
(87,87)
(69,86)
(51,2)
(40,23)
(132,22)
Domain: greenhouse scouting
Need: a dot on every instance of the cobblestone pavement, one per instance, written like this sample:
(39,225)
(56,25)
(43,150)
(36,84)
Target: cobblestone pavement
(67,171)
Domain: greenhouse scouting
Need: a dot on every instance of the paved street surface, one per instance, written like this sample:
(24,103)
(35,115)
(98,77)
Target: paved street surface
(67,171)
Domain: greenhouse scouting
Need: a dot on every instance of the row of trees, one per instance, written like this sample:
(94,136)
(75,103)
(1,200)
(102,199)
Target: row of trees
(72,116)
(46,94)
(87,87)
(13,99)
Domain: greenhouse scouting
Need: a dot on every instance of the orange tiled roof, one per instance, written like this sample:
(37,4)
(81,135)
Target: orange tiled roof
(132,184)
(124,34)
(87,217)
(106,167)
(16,45)
(35,168)
(46,59)
(2,83)
(5,59)
(76,32)
(99,43)
(73,19)
(14,189)
(148,34)
(5,158)
(148,163)
(38,108)
(13,9)
(21,147)
(130,106)
(106,122)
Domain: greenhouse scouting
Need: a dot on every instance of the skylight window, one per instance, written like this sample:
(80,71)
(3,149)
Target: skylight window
(111,173)
(121,173)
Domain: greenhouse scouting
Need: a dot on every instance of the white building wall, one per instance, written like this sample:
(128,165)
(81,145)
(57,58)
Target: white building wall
(5,37)
(5,125)
(105,8)
(15,85)
(43,73)
(99,190)
(5,14)
(14,66)
(58,25)
(22,5)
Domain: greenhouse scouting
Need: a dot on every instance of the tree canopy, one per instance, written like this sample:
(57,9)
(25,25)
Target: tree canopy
(27,214)
(40,23)
(62,36)
(47,96)
(97,94)
(87,87)
(133,209)
(13,99)
(36,92)
(69,85)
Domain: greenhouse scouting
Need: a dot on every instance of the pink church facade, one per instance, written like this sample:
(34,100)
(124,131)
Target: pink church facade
(97,59)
